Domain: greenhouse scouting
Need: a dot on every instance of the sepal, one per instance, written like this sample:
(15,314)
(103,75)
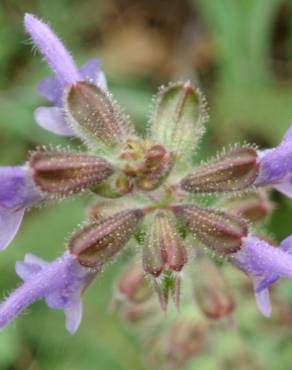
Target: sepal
(178,118)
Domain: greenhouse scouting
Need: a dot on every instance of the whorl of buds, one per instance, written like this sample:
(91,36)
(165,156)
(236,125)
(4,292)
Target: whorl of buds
(95,116)
(144,164)
(179,115)
(163,246)
(218,230)
(62,173)
(253,206)
(133,285)
(234,171)
(97,242)
(212,292)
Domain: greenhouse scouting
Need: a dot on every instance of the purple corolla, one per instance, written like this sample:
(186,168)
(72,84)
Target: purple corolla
(265,264)
(66,74)
(17,192)
(276,166)
(60,283)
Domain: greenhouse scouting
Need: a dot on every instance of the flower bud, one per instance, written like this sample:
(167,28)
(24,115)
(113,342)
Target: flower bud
(221,231)
(96,243)
(253,206)
(60,173)
(95,116)
(178,118)
(163,247)
(212,293)
(234,171)
(133,285)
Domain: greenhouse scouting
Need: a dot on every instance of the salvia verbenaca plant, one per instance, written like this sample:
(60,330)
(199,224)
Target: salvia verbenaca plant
(145,189)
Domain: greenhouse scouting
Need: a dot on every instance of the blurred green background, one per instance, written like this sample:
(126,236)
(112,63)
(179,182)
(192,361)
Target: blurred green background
(240,53)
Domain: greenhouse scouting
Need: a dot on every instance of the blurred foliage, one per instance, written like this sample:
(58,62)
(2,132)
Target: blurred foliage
(240,52)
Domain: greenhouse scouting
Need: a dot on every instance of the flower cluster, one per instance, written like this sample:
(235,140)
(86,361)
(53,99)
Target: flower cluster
(145,189)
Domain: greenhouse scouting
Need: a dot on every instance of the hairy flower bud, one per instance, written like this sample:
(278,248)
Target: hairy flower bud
(166,285)
(96,243)
(163,246)
(133,285)
(218,230)
(62,173)
(212,293)
(95,116)
(178,118)
(253,206)
(234,171)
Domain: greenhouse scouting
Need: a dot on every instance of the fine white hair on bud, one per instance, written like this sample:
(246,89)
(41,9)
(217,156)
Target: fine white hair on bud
(96,243)
(221,231)
(178,118)
(163,246)
(61,173)
(96,116)
(235,170)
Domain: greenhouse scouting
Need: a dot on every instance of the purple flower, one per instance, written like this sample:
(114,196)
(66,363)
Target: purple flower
(17,192)
(66,73)
(60,283)
(276,166)
(265,264)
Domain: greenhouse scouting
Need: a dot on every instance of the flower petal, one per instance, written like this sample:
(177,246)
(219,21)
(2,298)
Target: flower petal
(51,89)
(62,279)
(286,245)
(276,165)
(263,302)
(10,221)
(52,119)
(35,260)
(285,188)
(30,266)
(58,58)
(16,187)
(288,136)
(259,258)
(73,313)
(262,297)
(91,72)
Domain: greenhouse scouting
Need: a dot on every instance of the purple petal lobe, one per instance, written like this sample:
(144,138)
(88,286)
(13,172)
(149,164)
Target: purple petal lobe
(17,191)
(52,49)
(259,258)
(29,267)
(288,136)
(91,72)
(73,313)
(35,260)
(52,90)
(286,245)
(9,224)
(263,302)
(276,166)
(60,283)
(52,119)
(285,187)
(262,297)
(16,187)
